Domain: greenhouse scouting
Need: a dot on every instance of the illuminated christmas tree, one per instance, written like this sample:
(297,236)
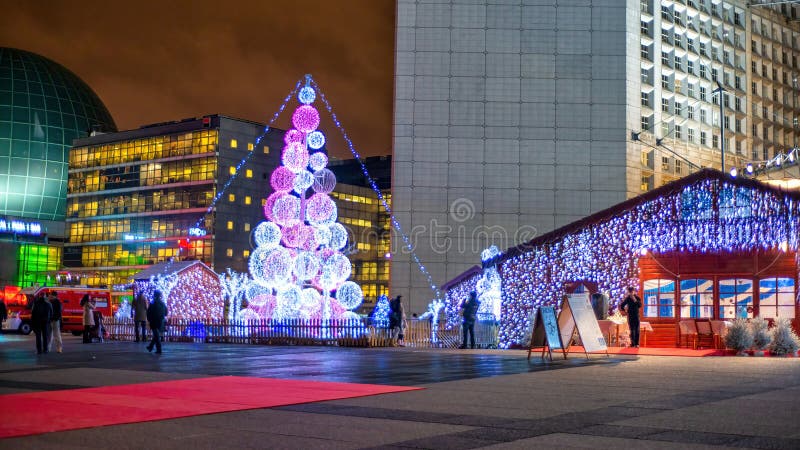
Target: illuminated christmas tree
(298,268)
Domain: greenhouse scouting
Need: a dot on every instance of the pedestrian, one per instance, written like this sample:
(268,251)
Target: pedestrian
(139,314)
(55,322)
(3,313)
(41,313)
(631,305)
(469,314)
(156,313)
(88,318)
(396,316)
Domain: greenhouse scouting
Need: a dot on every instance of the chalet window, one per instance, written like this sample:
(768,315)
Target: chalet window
(776,298)
(735,298)
(697,298)
(659,298)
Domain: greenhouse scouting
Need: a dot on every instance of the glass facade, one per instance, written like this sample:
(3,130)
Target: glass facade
(132,203)
(43,107)
(36,264)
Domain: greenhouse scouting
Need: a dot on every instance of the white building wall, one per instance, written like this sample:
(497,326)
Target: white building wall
(511,119)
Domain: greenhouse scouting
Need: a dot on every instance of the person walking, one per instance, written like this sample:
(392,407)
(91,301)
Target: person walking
(156,313)
(396,315)
(88,318)
(469,314)
(55,322)
(631,305)
(41,313)
(139,314)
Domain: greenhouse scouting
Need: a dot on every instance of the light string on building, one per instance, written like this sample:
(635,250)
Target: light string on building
(708,216)
(395,223)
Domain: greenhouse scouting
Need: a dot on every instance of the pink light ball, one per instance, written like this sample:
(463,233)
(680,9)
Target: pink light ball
(320,209)
(282,179)
(293,136)
(295,157)
(305,118)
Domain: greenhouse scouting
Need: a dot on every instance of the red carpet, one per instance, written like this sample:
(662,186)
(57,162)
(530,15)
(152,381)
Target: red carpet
(577,350)
(43,412)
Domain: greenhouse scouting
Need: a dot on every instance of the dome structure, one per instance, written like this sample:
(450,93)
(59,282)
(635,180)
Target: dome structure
(43,107)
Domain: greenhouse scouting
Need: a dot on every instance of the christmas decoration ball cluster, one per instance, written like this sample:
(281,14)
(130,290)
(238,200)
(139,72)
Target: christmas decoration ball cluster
(298,262)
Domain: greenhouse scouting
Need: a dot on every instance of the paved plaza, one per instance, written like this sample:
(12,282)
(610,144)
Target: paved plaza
(471,398)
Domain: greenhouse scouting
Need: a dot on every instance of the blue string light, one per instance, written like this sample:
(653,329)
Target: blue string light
(395,223)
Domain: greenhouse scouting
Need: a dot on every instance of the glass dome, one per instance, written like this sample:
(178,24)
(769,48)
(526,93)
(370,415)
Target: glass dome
(43,107)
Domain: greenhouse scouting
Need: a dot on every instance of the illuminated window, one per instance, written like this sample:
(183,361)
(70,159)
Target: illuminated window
(230,224)
(263,202)
(250,146)
(266,149)
(232,170)
(246,253)
(234,143)
(247,200)
(231,197)
(249,173)
(246,227)
(229,252)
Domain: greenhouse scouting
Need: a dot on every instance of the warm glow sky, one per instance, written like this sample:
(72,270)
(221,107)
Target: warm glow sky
(155,61)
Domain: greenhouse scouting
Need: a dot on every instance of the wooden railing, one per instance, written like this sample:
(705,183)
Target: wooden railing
(343,333)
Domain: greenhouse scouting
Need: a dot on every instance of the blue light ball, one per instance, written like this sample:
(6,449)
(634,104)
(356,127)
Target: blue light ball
(307,95)
(315,140)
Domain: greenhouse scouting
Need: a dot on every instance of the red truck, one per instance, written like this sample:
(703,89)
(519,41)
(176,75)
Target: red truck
(19,308)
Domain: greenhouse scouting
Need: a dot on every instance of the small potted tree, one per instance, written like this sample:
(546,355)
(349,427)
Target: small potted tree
(739,337)
(784,340)
(761,335)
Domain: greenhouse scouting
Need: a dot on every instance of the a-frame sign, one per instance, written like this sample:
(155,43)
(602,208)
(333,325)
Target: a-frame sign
(545,333)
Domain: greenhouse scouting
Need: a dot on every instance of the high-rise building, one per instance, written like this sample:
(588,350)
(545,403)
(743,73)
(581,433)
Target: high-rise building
(515,118)
(43,107)
(144,196)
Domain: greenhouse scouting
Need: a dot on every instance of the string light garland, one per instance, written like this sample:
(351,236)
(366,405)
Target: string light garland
(711,215)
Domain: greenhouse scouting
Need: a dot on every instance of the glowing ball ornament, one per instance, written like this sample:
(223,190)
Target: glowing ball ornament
(320,209)
(269,205)
(296,235)
(307,95)
(293,137)
(324,181)
(306,266)
(257,266)
(295,157)
(286,210)
(302,181)
(289,302)
(335,269)
(318,161)
(315,140)
(349,295)
(338,236)
(305,118)
(278,266)
(283,179)
(311,298)
(267,235)
(322,235)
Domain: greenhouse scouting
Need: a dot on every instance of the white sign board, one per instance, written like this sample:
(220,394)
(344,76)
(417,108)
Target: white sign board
(586,322)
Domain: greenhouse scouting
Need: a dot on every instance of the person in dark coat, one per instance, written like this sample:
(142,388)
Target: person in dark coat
(139,313)
(3,313)
(469,314)
(631,305)
(55,323)
(41,313)
(396,314)
(156,313)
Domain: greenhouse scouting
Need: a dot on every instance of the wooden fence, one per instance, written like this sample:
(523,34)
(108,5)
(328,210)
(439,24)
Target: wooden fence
(342,333)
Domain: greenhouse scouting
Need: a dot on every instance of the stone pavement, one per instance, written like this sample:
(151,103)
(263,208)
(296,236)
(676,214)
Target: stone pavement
(471,399)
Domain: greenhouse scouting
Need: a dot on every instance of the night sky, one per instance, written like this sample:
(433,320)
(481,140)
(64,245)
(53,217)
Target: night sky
(157,61)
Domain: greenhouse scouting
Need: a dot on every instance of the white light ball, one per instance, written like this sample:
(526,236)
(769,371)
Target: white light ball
(320,209)
(256,264)
(318,161)
(289,302)
(255,290)
(302,181)
(324,181)
(295,157)
(306,95)
(306,266)
(338,238)
(267,235)
(315,140)
(322,235)
(336,268)
(278,266)
(349,295)
(311,298)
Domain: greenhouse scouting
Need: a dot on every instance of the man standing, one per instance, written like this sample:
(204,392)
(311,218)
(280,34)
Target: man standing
(631,305)
(140,315)
(41,314)
(470,307)
(396,316)
(156,313)
(55,321)
(3,313)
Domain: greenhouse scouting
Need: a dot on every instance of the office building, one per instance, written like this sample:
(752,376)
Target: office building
(516,118)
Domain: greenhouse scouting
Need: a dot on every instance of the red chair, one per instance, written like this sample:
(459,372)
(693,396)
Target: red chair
(687,331)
